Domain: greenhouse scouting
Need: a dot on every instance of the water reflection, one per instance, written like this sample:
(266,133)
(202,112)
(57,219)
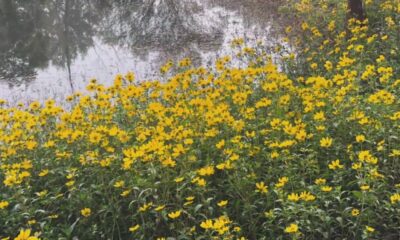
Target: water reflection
(164,24)
(55,46)
(168,26)
(33,33)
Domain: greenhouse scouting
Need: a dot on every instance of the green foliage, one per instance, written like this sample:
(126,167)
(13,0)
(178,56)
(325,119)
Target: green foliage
(306,150)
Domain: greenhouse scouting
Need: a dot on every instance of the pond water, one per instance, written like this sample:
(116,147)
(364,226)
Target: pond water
(51,48)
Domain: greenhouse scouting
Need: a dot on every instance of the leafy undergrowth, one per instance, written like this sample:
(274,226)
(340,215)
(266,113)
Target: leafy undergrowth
(309,150)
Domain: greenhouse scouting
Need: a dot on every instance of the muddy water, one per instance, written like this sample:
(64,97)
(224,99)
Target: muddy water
(51,48)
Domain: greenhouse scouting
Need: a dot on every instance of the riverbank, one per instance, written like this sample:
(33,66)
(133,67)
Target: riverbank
(291,145)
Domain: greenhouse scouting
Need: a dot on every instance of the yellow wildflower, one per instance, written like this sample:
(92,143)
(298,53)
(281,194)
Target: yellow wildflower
(260,187)
(292,228)
(175,214)
(355,212)
(25,235)
(134,228)
(4,204)
(395,198)
(335,165)
(326,142)
(86,212)
(326,188)
(207,224)
(222,203)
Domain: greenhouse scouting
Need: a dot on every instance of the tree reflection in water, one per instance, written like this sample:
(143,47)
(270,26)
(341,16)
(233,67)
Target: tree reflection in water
(37,34)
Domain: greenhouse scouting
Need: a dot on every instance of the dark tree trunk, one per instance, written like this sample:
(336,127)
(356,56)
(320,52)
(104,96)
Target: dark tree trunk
(67,25)
(356,9)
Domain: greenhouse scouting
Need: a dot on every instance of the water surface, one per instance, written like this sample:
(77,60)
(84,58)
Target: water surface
(51,48)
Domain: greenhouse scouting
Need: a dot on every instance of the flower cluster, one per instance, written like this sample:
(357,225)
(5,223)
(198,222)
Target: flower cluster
(304,145)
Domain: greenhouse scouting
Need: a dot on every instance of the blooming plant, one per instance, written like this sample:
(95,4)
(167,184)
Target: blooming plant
(303,145)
